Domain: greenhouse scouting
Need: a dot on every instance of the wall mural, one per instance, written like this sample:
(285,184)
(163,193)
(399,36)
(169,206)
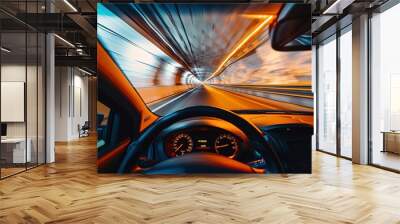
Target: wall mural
(204,88)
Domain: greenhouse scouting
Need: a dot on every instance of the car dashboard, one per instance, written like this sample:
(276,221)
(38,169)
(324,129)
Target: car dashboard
(202,139)
(204,135)
(288,135)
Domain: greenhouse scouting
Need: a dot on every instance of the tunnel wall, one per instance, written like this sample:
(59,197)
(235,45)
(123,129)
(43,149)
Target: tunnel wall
(294,95)
(266,66)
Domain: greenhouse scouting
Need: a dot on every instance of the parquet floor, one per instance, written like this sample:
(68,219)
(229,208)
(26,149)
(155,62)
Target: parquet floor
(70,191)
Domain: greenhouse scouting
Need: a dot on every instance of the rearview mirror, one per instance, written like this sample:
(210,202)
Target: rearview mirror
(292,31)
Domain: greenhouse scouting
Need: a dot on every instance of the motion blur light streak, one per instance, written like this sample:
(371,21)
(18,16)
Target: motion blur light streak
(142,62)
(261,69)
(197,36)
(240,45)
(255,16)
(167,49)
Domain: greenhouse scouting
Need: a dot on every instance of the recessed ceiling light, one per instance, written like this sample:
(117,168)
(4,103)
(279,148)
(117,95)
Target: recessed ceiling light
(64,40)
(70,5)
(337,7)
(5,50)
(84,71)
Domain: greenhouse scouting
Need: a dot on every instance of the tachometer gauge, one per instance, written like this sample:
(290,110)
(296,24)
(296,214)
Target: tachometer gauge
(182,144)
(226,145)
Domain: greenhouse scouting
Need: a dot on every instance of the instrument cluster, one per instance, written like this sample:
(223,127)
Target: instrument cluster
(202,140)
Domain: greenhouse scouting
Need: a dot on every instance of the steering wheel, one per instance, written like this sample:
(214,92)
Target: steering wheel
(201,162)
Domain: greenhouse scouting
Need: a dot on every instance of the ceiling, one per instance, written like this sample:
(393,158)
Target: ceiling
(199,40)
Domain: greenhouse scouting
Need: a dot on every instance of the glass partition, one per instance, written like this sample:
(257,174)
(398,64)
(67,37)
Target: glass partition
(22,90)
(14,145)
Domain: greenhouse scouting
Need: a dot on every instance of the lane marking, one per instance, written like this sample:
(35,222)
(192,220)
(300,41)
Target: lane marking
(173,100)
(154,102)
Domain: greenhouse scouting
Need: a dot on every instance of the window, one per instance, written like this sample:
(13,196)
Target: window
(385,89)
(327,96)
(346,93)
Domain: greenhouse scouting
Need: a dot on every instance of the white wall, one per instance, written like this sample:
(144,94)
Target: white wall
(16,73)
(13,99)
(71,102)
(81,104)
(12,73)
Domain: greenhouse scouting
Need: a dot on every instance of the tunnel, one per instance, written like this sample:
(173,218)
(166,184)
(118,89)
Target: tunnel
(182,55)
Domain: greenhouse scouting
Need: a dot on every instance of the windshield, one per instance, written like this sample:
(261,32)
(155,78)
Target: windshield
(182,55)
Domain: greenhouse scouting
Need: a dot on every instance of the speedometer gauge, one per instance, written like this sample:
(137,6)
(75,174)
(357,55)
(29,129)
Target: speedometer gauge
(182,144)
(226,145)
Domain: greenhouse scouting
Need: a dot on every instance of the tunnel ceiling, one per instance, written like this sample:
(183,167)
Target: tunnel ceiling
(203,38)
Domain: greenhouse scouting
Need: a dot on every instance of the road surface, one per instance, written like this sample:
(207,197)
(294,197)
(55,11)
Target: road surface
(212,96)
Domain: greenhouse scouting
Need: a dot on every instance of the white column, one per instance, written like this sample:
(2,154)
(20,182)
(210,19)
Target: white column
(360,90)
(63,101)
(50,92)
(50,98)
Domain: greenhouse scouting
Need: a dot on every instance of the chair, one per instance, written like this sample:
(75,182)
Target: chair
(84,130)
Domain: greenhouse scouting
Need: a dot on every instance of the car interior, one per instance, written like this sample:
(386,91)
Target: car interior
(202,139)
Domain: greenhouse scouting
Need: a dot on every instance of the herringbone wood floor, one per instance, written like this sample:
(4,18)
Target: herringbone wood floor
(70,191)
